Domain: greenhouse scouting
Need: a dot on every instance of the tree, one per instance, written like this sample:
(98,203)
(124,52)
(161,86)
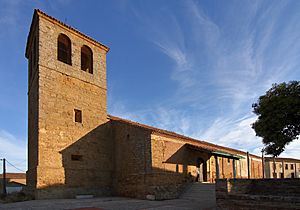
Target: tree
(278,113)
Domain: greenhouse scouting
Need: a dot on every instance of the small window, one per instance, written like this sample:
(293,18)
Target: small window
(78,115)
(64,49)
(292,166)
(292,175)
(228,160)
(281,175)
(86,59)
(76,157)
(286,166)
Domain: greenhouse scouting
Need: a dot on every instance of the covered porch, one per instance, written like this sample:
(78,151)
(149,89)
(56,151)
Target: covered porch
(205,162)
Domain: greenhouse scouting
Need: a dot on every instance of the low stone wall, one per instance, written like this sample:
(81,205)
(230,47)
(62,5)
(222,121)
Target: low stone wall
(154,186)
(166,185)
(258,193)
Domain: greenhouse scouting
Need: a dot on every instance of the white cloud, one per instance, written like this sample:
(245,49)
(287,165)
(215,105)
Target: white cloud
(221,68)
(14,150)
(292,150)
(234,133)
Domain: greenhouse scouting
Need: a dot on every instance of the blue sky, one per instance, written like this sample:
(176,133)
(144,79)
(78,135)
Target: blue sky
(193,67)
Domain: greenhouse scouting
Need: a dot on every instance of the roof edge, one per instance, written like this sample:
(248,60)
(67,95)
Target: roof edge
(176,135)
(39,13)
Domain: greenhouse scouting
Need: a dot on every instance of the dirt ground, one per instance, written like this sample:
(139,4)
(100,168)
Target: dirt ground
(110,203)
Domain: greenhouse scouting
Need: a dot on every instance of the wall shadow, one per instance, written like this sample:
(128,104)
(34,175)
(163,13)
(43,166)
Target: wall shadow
(89,163)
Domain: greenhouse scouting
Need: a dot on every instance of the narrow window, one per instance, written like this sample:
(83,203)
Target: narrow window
(86,59)
(76,157)
(286,166)
(292,166)
(64,49)
(78,115)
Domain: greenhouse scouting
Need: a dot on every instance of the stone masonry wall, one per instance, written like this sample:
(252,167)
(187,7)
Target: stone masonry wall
(61,89)
(168,154)
(132,160)
(33,97)
(258,194)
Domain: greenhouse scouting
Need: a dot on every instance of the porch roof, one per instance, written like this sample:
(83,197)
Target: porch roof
(214,152)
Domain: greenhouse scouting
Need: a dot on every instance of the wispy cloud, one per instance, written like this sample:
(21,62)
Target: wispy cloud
(221,65)
(14,150)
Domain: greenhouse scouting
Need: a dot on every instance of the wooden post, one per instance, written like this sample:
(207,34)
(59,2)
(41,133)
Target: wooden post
(4,178)
(234,171)
(248,165)
(263,163)
(274,167)
(217,167)
(282,163)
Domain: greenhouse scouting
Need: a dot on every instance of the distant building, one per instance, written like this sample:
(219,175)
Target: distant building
(14,182)
(284,167)
(76,147)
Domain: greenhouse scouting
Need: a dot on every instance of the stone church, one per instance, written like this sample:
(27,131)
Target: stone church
(75,147)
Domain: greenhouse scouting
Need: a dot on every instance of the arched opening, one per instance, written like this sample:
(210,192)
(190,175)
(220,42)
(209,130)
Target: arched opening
(86,59)
(64,49)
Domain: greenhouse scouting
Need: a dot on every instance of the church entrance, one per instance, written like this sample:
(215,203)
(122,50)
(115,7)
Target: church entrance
(201,170)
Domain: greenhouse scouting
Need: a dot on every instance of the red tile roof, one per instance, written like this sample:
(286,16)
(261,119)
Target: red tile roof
(283,159)
(196,142)
(14,176)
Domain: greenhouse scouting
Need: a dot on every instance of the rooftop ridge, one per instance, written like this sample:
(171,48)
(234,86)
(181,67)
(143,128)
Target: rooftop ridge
(171,133)
(282,159)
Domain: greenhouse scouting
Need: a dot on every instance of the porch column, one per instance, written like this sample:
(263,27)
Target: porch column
(217,167)
(248,165)
(234,169)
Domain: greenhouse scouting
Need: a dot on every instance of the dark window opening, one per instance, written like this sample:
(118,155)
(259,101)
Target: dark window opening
(228,160)
(281,175)
(286,166)
(64,49)
(292,166)
(292,175)
(86,59)
(76,157)
(78,115)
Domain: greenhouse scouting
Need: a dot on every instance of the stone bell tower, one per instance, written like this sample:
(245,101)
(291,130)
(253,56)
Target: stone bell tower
(69,149)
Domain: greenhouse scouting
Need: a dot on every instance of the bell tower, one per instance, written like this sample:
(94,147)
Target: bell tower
(69,149)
